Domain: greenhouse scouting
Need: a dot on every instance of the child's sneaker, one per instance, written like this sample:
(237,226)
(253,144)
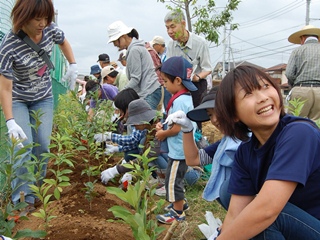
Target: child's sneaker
(169,217)
(161,191)
(185,206)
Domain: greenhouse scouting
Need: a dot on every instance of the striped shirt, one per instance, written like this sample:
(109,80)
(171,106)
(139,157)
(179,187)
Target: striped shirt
(28,71)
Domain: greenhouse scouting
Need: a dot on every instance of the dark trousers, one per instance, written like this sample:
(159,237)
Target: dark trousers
(197,95)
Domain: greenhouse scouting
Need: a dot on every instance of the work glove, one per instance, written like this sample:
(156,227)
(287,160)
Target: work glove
(72,74)
(179,117)
(102,137)
(15,131)
(5,238)
(110,149)
(127,177)
(108,174)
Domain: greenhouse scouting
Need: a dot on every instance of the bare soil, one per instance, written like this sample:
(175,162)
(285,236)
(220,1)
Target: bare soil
(74,218)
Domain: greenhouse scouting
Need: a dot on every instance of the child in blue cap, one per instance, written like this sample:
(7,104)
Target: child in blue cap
(176,72)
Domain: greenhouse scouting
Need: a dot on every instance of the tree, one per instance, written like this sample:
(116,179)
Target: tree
(207,19)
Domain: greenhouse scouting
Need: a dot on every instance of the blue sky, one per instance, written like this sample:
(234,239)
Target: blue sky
(264,27)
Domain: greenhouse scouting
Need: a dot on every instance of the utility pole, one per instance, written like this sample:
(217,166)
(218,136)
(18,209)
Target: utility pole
(224,52)
(308,12)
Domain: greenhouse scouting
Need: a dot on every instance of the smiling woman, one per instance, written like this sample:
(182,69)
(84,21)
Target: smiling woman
(25,84)
(268,174)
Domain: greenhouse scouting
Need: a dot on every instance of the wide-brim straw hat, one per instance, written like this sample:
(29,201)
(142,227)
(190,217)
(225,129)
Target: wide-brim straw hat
(308,30)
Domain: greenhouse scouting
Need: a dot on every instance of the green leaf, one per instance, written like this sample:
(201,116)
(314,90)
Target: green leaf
(64,184)
(30,233)
(46,199)
(56,193)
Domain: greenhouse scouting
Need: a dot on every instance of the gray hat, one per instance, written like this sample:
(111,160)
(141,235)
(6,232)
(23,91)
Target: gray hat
(199,114)
(139,112)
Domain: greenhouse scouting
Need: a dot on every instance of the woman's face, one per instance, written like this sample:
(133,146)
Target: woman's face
(120,43)
(35,26)
(213,117)
(259,109)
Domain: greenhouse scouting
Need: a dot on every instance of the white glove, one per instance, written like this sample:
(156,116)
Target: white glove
(108,174)
(179,117)
(15,131)
(102,137)
(72,74)
(127,177)
(110,149)
(5,238)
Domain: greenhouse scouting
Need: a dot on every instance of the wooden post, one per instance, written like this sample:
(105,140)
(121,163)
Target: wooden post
(171,230)
(22,196)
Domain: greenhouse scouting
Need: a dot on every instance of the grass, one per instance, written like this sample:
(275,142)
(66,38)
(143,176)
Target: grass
(189,229)
(3,143)
(3,137)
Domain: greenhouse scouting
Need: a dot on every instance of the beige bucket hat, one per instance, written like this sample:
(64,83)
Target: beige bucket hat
(306,30)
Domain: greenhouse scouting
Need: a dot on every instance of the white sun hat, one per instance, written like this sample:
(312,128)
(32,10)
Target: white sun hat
(117,29)
(308,30)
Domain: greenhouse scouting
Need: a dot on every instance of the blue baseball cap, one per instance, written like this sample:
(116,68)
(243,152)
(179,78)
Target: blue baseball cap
(179,67)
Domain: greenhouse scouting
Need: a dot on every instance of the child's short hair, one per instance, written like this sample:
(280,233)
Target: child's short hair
(124,97)
(179,67)
(248,78)
(91,87)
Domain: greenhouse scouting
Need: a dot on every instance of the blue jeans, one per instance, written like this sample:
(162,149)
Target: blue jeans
(127,154)
(161,161)
(21,112)
(292,223)
(224,196)
(154,98)
(192,175)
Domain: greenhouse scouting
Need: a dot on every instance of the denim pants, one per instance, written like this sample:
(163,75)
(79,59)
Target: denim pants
(292,223)
(22,115)
(154,98)
(224,196)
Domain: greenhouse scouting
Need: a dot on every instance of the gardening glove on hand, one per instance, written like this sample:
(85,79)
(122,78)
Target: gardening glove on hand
(108,174)
(179,117)
(72,74)
(110,149)
(5,238)
(15,131)
(102,137)
(127,177)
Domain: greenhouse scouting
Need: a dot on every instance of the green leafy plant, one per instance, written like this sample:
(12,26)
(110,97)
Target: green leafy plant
(62,159)
(141,200)
(8,210)
(90,193)
(42,194)
(295,106)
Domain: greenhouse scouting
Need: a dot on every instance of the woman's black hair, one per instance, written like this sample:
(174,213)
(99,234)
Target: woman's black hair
(92,86)
(124,97)
(133,34)
(248,78)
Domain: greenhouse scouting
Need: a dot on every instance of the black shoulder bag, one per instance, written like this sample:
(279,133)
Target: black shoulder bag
(24,37)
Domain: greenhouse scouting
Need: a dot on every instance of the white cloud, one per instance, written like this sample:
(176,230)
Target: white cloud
(258,39)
